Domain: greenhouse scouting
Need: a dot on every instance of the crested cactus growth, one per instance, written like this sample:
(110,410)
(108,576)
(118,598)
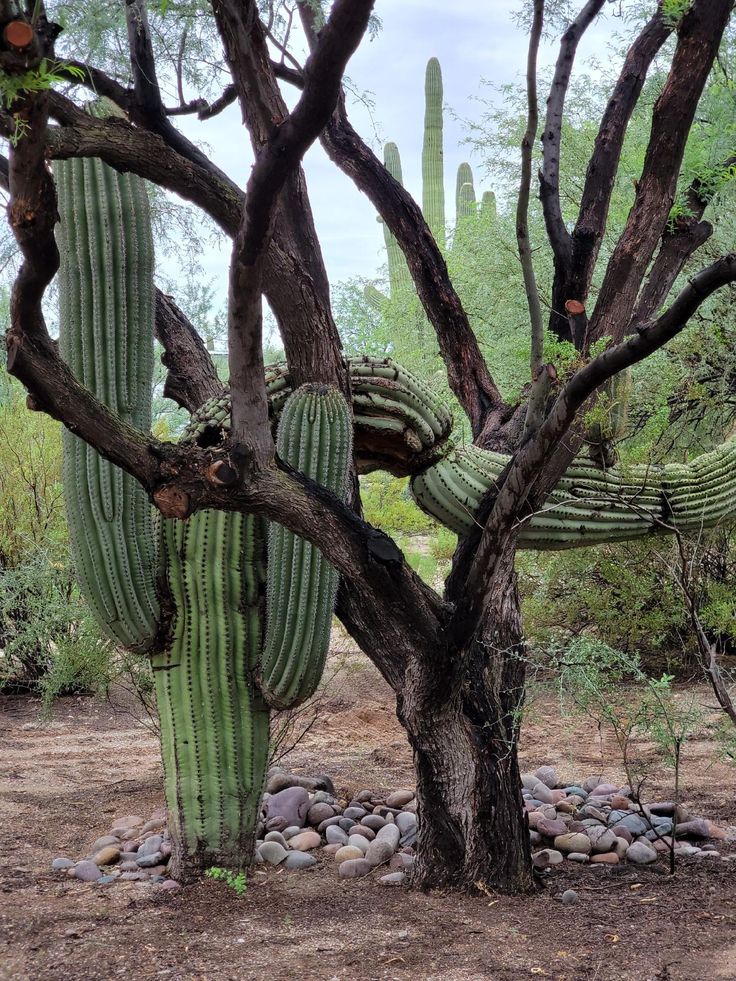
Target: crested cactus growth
(106,300)
(433,168)
(589,506)
(314,437)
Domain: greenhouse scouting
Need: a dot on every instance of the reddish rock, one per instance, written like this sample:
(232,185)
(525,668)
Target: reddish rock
(551,828)
(619,803)
(623,832)
(607,858)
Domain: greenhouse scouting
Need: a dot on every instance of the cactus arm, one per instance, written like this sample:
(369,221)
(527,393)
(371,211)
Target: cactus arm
(399,277)
(433,170)
(314,436)
(465,206)
(106,305)
(589,506)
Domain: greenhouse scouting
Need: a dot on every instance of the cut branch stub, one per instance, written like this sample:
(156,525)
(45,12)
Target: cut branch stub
(578,320)
(18,34)
(172,502)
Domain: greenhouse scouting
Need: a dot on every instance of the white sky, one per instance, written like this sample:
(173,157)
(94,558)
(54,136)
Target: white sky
(473,39)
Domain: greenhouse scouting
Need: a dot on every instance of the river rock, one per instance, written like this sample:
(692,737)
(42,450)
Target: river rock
(359,829)
(305,841)
(393,879)
(641,853)
(87,871)
(107,855)
(569,897)
(346,823)
(591,783)
(151,845)
(299,860)
(373,821)
(358,841)
(319,812)
(149,861)
(62,863)
(348,853)
(354,868)
(336,836)
(547,775)
(694,828)
(391,834)
(332,850)
(400,798)
(621,847)
(579,857)
(621,832)
(551,828)
(400,862)
(355,813)
(547,857)
(633,823)
(273,852)
(292,804)
(324,825)
(575,842)
(278,836)
(406,821)
(607,858)
(104,841)
(543,794)
(379,852)
(603,839)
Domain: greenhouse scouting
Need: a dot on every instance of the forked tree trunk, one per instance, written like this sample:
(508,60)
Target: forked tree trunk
(463,721)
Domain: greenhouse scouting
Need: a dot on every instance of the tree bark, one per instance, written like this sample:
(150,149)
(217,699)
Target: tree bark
(462,716)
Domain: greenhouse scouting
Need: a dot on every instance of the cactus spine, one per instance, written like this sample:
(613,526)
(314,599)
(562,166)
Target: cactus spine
(314,437)
(589,506)
(106,299)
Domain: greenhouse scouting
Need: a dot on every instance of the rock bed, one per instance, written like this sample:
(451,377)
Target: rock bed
(302,818)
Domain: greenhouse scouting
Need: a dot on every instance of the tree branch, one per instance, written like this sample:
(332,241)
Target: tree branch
(572,280)
(698,41)
(549,175)
(192,378)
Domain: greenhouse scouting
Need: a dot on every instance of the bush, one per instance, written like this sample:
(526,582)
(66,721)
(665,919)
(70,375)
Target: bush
(388,505)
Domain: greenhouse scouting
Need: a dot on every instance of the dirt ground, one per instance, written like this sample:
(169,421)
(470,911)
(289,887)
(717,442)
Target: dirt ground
(62,783)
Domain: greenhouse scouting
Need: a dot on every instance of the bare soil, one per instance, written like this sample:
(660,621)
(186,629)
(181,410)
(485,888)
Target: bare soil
(62,783)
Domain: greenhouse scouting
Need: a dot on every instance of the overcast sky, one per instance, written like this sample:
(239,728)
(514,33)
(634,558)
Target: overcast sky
(473,39)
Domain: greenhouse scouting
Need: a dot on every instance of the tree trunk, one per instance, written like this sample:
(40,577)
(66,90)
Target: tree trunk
(462,719)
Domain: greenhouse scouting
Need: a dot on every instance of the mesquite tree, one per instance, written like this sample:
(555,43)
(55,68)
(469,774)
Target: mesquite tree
(456,662)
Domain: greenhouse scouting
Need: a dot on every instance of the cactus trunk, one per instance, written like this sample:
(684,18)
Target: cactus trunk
(433,171)
(214,722)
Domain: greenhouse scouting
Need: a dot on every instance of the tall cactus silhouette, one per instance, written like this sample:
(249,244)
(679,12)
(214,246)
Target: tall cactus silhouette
(433,195)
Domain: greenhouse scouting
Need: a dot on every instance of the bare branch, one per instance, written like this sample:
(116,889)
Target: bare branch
(549,176)
(522,207)
(698,41)
(192,378)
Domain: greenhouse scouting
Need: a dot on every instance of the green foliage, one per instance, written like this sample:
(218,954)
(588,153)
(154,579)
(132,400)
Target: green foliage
(388,505)
(674,10)
(12,87)
(237,881)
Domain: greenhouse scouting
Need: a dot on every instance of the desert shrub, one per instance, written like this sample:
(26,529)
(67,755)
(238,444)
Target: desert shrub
(388,505)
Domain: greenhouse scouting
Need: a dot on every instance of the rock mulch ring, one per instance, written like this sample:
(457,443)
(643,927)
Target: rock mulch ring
(302,818)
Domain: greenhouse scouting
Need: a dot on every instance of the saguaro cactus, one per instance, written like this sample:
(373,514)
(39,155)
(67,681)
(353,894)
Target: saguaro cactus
(433,167)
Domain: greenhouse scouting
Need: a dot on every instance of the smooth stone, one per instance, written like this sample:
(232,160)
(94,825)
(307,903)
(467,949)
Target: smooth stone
(547,775)
(547,857)
(332,849)
(543,794)
(620,803)
(105,880)
(566,806)
(373,821)
(336,836)
(62,863)
(608,858)
(400,798)
(292,804)
(667,808)
(592,823)
(346,823)
(621,847)
(330,822)
(589,811)
(551,828)
(299,860)
(687,850)
(155,824)
(279,780)
(129,821)
(580,857)
(577,827)
(358,841)
(151,845)
(107,855)
(534,817)
(534,837)
(354,868)
(358,829)
(569,897)
(529,781)
(134,876)
(364,795)
(305,841)
(621,832)
(348,853)
(410,838)
(290,832)
(400,862)
(157,870)
(603,839)
(319,812)
(355,813)
(575,791)
(170,885)
(591,783)
(606,789)
(273,852)
(322,797)
(129,866)
(641,854)
(277,824)
(635,824)
(391,834)
(165,849)
(695,828)
(379,852)
(277,836)
(393,879)
(148,861)
(406,821)
(128,856)
(662,845)
(575,842)
(104,841)
(87,871)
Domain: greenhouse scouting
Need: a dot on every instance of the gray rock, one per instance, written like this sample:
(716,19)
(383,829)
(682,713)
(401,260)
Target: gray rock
(291,804)
(134,876)
(399,798)
(355,813)
(149,861)
(324,825)
(277,836)
(547,775)
(406,821)
(409,839)
(105,880)
(574,791)
(393,879)
(358,841)
(529,781)
(389,833)
(319,812)
(170,885)
(279,780)
(323,797)
(354,868)
(62,863)
(641,853)
(287,833)
(104,841)
(299,860)
(346,823)
(129,866)
(580,857)
(336,836)
(379,852)
(633,823)
(373,821)
(542,793)
(603,839)
(575,842)
(87,871)
(151,845)
(273,852)
(547,857)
